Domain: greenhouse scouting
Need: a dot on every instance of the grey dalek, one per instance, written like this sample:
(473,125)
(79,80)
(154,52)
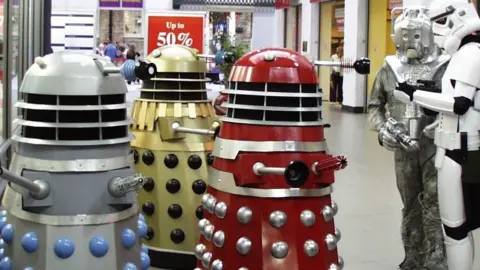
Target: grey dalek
(71,202)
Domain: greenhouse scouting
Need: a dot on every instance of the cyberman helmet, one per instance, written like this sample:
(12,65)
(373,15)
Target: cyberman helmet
(412,34)
(452,20)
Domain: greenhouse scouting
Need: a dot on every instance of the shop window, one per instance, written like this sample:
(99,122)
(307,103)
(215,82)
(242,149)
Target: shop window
(133,23)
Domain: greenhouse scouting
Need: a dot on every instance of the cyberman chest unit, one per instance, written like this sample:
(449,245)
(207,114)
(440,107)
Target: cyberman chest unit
(70,203)
(174,127)
(268,203)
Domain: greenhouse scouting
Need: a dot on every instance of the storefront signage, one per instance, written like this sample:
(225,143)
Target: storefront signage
(279,4)
(395,4)
(120,4)
(171,29)
(110,3)
(132,3)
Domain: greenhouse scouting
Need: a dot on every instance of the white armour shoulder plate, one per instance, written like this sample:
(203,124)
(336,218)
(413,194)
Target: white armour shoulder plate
(465,65)
(412,73)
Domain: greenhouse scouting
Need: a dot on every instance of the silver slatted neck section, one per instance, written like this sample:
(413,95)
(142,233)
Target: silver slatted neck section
(73,120)
(174,87)
(273,104)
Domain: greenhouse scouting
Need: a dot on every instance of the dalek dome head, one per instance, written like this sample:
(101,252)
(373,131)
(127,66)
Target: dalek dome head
(276,87)
(177,58)
(72,99)
(180,76)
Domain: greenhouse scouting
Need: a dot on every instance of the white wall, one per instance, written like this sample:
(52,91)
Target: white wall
(267,29)
(75,4)
(310,31)
(156,5)
(356,25)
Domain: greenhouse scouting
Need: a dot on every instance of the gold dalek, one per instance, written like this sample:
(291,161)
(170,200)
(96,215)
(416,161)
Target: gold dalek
(174,126)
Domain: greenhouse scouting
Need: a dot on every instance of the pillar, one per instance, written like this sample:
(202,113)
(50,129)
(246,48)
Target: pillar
(267,29)
(310,31)
(356,33)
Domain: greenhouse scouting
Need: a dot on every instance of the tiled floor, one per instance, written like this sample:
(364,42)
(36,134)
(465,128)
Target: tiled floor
(369,204)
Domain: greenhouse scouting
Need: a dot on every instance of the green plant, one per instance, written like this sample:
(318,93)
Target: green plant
(237,50)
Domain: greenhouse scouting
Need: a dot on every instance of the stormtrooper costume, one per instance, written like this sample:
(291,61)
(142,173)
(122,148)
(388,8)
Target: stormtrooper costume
(457,135)
(417,58)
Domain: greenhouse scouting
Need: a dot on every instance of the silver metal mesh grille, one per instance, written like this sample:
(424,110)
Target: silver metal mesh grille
(274,104)
(73,120)
(175,87)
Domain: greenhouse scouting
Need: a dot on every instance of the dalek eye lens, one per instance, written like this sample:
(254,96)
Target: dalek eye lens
(296,174)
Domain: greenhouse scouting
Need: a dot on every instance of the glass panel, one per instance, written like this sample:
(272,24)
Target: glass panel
(133,22)
(15,59)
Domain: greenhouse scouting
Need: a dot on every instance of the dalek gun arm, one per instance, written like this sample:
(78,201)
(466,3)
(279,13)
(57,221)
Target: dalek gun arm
(39,189)
(361,66)
(400,133)
(177,127)
(120,186)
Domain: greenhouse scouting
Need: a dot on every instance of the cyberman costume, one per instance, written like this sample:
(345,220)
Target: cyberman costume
(417,58)
(457,135)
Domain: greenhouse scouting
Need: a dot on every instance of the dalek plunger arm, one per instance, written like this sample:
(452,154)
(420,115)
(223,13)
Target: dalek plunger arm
(361,66)
(39,189)
(296,173)
(119,186)
(177,127)
(131,70)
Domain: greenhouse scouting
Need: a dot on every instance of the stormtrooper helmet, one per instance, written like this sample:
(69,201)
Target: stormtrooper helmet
(452,20)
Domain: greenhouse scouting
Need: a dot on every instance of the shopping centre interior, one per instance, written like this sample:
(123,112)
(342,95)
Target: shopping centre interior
(370,207)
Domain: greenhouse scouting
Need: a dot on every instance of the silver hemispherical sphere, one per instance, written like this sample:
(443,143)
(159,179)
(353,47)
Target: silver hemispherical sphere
(331,241)
(202,224)
(334,207)
(217,265)
(278,219)
(341,262)
(199,251)
(219,238)
(328,213)
(334,267)
(208,232)
(244,245)
(311,248)
(205,199)
(308,218)
(244,215)
(221,210)
(210,205)
(279,250)
(243,268)
(197,268)
(206,258)
(338,234)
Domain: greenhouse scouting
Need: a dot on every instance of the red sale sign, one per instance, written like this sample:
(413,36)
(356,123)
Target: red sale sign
(181,30)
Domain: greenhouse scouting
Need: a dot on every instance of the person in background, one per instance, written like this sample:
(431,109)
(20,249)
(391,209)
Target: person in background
(336,92)
(132,54)
(111,51)
(101,49)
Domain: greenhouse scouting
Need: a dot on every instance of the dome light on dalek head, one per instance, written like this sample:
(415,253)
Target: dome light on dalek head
(271,160)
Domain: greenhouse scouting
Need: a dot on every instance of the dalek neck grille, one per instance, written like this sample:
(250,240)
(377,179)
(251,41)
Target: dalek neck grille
(274,104)
(175,86)
(92,113)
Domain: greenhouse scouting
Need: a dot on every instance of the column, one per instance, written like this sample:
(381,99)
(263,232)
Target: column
(267,29)
(356,27)
(310,31)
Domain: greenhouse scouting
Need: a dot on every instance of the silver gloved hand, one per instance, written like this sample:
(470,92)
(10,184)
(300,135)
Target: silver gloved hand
(387,139)
(429,131)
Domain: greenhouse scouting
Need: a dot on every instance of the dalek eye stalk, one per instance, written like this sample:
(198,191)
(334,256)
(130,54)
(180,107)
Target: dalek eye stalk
(174,125)
(268,203)
(70,202)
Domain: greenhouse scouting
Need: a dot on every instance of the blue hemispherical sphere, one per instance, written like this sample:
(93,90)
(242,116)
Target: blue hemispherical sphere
(7,233)
(128,238)
(3,213)
(64,248)
(28,268)
(2,243)
(130,266)
(30,242)
(2,253)
(145,260)
(3,222)
(98,246)
(141,217)
(144,248)
(142,229)
(6,264)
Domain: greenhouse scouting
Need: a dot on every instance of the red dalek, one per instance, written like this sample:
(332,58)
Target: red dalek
(268,205)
